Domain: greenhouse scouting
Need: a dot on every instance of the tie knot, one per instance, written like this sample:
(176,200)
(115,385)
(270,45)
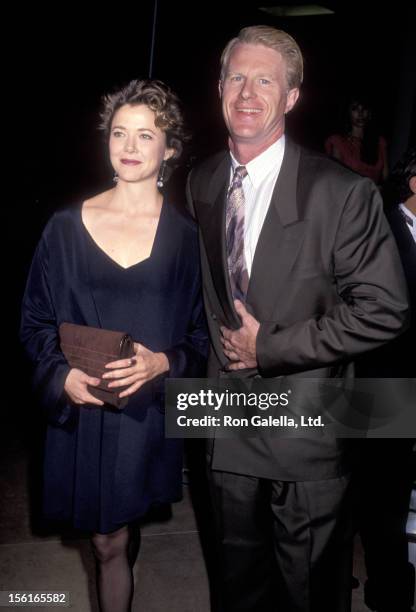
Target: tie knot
(240,172)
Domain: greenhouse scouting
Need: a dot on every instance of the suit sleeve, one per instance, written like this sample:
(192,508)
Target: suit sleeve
(372,306)
(39,335)
(189,199)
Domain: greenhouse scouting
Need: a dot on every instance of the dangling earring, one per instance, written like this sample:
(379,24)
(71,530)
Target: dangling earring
(160,178)
(115,177)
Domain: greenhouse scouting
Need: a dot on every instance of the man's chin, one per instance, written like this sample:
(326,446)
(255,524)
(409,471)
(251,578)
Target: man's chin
(245,135)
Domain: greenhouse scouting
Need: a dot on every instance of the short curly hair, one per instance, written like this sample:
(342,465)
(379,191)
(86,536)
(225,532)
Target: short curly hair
(160,99)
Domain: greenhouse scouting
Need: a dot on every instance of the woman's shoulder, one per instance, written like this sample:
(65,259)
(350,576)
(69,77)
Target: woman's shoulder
(98,201)
(62,218)
(335,140)
(60,226)
(182,217)
(71,215)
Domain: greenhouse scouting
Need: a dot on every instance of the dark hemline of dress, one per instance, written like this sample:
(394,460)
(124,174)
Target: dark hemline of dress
(105,468)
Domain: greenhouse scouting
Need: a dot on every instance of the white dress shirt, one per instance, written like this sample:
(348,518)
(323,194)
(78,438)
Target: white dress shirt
(410,226)
(258,185)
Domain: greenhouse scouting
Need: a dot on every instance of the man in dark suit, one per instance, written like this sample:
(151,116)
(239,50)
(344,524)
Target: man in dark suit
(402,218)
(301,274)
(383,510)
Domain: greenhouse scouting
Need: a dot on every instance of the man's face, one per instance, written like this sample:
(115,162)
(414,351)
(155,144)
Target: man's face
(255,96)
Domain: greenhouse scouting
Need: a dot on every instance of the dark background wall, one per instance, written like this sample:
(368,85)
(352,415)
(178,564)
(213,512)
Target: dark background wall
(69,57)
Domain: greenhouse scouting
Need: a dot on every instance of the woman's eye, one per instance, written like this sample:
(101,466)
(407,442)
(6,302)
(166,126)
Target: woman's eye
(117,134)
(146,136)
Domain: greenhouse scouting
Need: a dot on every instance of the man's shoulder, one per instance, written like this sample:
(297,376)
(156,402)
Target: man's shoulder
(320,164)
(207,167)
(317,170)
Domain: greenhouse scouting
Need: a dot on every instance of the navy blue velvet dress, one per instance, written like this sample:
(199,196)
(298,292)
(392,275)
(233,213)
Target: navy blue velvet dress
(103,467)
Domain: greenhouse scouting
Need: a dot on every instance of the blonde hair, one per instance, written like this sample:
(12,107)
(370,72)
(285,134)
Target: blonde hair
(274,39)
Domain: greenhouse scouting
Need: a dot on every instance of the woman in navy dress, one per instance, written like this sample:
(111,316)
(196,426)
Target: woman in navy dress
(124,260)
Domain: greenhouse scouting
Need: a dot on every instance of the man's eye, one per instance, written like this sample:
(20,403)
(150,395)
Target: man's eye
(264,81)
(235,77)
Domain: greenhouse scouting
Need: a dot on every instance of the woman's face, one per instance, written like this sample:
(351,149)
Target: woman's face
(137,147)
(360,114)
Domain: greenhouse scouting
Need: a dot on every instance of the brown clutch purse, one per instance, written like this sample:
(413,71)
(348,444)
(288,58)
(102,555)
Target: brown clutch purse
(89,349)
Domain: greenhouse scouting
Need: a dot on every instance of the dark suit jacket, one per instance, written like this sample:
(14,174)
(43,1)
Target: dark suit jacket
(396,359)
(326,285)
(407,250)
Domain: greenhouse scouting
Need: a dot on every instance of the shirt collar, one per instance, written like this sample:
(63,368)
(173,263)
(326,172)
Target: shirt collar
(265,163)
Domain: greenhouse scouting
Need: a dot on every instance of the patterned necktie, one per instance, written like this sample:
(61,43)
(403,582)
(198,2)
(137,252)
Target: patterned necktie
(234,227)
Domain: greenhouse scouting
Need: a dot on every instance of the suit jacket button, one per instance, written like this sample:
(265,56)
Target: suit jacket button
(214,316)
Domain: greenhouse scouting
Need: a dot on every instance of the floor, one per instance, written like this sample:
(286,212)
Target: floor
(170,573)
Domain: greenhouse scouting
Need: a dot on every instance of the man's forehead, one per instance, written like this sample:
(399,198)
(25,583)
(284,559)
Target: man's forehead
(256,54)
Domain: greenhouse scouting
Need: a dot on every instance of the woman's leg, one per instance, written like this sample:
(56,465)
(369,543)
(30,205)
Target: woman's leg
(113,554)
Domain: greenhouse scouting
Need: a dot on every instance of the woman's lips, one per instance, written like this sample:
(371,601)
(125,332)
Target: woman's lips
(130,162)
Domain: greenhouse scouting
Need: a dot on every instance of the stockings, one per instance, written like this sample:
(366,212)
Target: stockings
(115,554)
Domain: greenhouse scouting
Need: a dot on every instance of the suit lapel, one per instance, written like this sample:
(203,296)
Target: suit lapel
(211,217)
(280,239)
(279,242)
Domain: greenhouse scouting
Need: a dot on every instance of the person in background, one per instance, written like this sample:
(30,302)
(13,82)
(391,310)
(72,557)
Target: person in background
(124,260)
(360,146)
(386,468)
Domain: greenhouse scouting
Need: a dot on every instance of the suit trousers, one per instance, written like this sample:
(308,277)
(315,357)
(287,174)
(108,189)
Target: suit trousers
(283,546)
(384,478)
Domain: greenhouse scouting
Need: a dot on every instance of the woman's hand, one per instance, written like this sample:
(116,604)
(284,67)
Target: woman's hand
(136,371)
(76,386)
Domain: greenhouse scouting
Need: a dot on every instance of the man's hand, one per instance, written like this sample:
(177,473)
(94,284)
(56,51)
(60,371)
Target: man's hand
(240,346)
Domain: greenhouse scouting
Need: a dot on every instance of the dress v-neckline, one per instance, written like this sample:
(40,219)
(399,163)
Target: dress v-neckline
(113,261)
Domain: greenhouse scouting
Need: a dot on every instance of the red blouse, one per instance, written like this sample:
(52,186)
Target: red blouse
(349,151)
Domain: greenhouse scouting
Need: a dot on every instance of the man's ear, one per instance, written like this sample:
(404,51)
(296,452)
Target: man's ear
(220,87)
(291,99)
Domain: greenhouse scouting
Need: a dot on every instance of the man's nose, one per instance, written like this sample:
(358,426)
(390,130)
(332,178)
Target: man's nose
(247,90)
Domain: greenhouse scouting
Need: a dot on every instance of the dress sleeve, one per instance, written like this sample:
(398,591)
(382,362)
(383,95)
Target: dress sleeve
(188,358)
(39,336)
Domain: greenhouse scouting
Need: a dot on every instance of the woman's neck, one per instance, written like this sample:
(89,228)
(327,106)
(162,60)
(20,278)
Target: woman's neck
(357,132)
(135,198)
